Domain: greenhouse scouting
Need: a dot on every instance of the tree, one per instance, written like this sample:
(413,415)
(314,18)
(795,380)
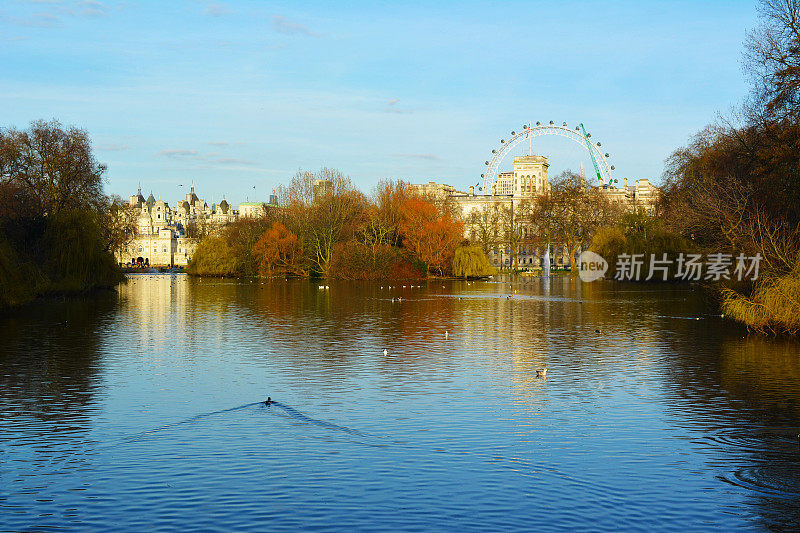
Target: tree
(198,228)
(514,224)
(570,213)
(734,187)
(484,226)
(118,224)
(383,215)
(321,208)
(431,234)
(470,261)
(54,165)
(544,217)
(276,251)
(772,59)
(214,256)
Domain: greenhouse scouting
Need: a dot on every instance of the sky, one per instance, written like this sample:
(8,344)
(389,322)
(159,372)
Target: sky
(237,96)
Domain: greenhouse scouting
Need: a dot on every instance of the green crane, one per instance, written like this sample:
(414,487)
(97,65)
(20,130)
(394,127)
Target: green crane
(591,152)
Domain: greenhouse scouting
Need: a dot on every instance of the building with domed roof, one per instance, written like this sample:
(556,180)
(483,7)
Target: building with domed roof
(161,231)
(161,238)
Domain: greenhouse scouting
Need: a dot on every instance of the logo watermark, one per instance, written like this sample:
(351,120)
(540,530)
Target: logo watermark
(688,267)
(591,266)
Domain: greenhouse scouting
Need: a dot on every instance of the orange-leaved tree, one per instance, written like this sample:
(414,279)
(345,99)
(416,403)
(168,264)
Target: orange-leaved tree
(430,233)
(276,251)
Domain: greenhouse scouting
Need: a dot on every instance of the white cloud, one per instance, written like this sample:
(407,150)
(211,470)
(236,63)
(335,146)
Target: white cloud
(172,153)
(233,161)
(209,159)
(391,107)
(92,8)
(217,10)
(283,25)
(428,157)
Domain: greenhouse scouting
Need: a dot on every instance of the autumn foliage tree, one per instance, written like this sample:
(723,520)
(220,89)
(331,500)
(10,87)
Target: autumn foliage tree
(276,251)
(432,234)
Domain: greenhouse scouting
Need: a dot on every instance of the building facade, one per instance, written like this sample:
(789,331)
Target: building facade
(511,195)
(161,232)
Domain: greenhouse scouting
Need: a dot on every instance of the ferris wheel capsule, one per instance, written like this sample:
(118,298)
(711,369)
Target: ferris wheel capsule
(538,123)
(551,123)
(485,162)
(481,175)
(564,124)
(612,167)
(494,151)
(502,141)
(598,144)
(607,155)
(512,133)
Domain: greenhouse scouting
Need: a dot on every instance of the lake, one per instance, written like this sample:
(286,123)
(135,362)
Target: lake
(142,409)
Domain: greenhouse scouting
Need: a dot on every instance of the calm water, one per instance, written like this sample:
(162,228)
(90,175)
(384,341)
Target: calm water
(138,410)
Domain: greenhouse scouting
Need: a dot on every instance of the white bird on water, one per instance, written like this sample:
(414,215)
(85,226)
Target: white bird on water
(385,351)
(446,334)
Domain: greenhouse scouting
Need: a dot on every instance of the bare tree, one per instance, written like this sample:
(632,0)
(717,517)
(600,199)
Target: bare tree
(570,214)
(772,59)
(513,220)
(321,208)
(484,226)
(54,165)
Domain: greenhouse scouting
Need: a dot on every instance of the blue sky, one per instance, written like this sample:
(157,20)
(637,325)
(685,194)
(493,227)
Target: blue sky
(231,95)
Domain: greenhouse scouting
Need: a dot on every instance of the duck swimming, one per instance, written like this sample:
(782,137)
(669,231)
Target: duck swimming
(269,401)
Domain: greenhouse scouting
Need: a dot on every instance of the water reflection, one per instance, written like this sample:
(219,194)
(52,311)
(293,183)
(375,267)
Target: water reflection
(50,376)
(741,394)
(653,408)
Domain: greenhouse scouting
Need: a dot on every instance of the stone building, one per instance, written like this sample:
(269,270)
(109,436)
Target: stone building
(512,192)
(161,231)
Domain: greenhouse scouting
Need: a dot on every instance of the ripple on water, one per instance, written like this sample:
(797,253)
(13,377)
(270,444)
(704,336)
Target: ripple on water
(779,479)
(756,440)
